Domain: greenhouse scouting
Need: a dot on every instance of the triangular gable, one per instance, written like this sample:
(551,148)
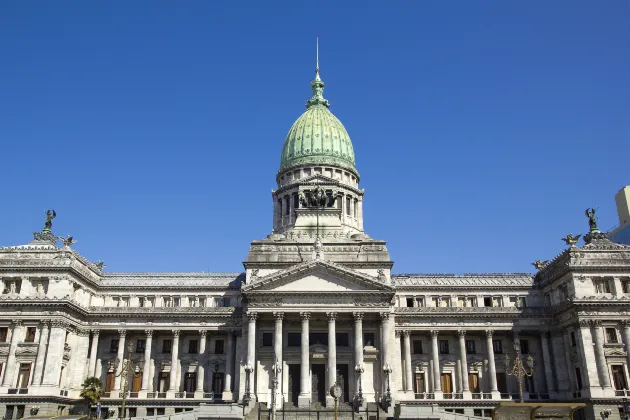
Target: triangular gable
(317,276)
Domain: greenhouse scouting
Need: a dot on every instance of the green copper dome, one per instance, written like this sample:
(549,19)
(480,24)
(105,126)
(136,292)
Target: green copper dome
(317,137)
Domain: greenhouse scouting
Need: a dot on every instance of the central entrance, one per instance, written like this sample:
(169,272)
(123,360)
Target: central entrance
(318,383)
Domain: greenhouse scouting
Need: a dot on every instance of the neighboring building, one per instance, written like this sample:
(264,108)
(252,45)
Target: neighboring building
(621,234)
(317,297)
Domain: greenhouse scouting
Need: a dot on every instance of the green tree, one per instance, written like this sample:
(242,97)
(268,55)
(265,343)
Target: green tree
(91,392)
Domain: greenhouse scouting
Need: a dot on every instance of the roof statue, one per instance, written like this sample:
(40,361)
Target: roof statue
(100,265)
(571,240)
(50,215)
(592,220)
(67,241)
(540,264)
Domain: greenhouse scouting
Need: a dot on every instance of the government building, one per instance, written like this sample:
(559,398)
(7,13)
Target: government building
(316,307)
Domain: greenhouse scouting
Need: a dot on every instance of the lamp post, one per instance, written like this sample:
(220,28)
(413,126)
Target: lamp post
(519,370)
(126,367)
(358,401)
(247,397)
(274,386)
(387,401)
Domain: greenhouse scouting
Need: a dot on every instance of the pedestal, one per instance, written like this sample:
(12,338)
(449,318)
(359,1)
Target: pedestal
(496,395)
(304,401)
(227,396)
(467,395)
(438,395)
(198,395)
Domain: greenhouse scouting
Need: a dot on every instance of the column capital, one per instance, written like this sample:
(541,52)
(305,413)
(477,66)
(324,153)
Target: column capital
(406,333)
(332,316)
(358,316)
(83,333)
(278,316)
(95,333)
(176,333)
(251,316)
(625,323)
(18,323)
(489,333)
(305,316)
(596,323)
(583,323)
(461,333)
(384,316)
(149,333)
(397,333)
(122,333)
(45,324)
(434,333)
(203,333)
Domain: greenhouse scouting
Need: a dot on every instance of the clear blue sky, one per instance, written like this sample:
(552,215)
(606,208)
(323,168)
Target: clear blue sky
(482,130)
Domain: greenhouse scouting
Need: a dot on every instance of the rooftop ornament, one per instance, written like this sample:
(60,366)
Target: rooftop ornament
(67,241)
(571,240)
(46,235)
(540,264)
(592,220)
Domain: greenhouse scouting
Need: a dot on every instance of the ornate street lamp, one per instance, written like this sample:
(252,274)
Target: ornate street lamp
(518,370)
(277,369)
(126,367)
(387,401)
(358,401)
(247,397)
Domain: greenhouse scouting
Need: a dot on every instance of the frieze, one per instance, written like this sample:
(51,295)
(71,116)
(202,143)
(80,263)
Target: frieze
(523,280)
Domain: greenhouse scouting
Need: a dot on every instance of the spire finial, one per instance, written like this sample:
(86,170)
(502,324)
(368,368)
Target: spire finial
(317,86)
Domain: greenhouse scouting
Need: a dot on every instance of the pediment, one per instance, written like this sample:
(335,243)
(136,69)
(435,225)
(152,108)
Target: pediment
(612,352)
(317,276)
(318,179)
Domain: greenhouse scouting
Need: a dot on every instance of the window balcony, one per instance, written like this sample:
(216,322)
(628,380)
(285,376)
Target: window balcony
(17,391)
(622,393)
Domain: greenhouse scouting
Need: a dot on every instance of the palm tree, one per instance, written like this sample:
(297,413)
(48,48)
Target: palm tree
(91,392)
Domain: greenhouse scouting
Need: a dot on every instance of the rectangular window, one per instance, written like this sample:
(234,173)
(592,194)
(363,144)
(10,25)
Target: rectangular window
(110,381)
(141,304)
(267,339)
(497,346)
(160,411)
(417,346)
(132,412)
(150,412)
(619,377)
(524,346)
(573,341)
(166,346)
(24,375)
(218,347)
(342,340)
(4,332)
(318,338)
(30,334)
(443,346)
(294,339)
(501,382)
(470,347)
(193,346)
(487,301)
(625,286)
(140,346)
(611,336)
(163,383)
(497,302)
(419,386)
(602,285)
(521,302)
(348,206)
(368,339)
(190,382)
(578,377)
(409,301)
(113,345)
(420,302)
(473,382)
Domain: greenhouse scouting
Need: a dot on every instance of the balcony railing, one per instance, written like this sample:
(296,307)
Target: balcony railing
(19,391)
(161,395)
(538,396)
(448,395)
(133,395)
(506,396)
(63,392)
(208,395)
(577,394)
(151,394)
(622,393)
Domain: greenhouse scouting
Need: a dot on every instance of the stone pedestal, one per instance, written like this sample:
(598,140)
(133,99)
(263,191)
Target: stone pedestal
(227,396)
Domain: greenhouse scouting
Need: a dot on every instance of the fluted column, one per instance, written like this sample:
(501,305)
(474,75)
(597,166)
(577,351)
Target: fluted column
(602,367)
(331,376)
(93,353)
(200,364)
(385,343)
(464,362)
(121,357)
(41,354)
(358,338)
(408,369)
(146,370)
(16,331)
(492,370)
(173,386)
(547,362)
(437,377)
(304,399)
(229,367)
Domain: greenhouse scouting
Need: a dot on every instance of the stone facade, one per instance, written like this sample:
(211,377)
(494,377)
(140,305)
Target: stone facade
(317,305)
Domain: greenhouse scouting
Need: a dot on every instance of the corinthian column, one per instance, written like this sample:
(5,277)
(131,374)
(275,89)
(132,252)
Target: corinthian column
(120,356)
(229,367)
(464,362)
(173,386)
(491,366)
(304,399)
(437,377)
(201,374)
(331,376)
(626,340)
(408,368)
(93,353)
(41,354)
(146,370)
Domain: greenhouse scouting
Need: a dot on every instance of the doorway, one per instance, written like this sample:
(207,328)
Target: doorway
(294,383)
(318,383)
(447,384)
(342,381)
